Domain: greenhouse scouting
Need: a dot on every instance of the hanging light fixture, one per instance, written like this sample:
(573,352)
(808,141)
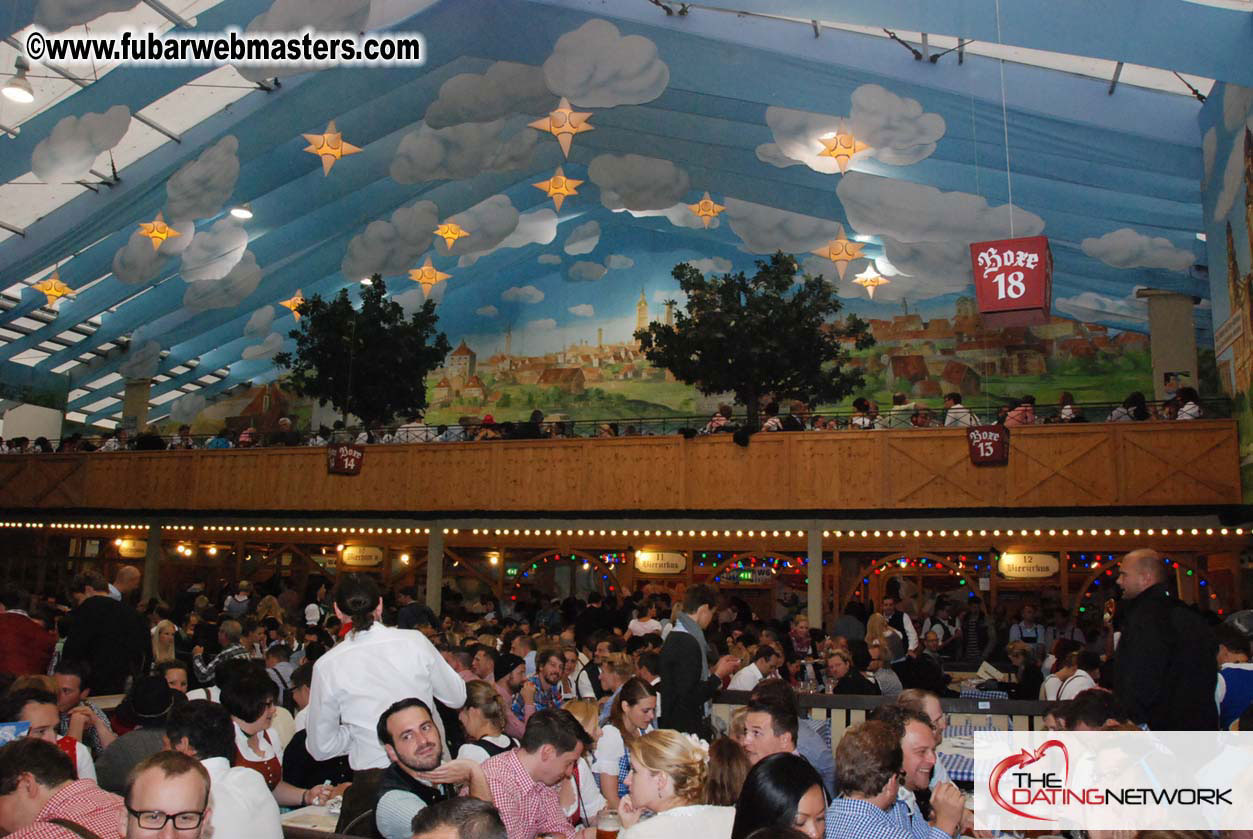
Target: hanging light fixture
(18,89)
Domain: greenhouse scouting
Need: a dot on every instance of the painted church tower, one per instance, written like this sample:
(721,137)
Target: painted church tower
(641,313)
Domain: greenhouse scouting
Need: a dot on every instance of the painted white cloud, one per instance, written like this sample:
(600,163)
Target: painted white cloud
(635,182)
(522,294)
(226,293)
(617,261)
(910,212)
(288,16)
(1126,248)
(767,229)
(898,129)
(202,186)
(711,265)
(583,310)
(143,357)
(69,151)
(549,259)
(772,154)
(1237,104)
(583,239)
(542,325)
(488,222)
(1209,151)
(1233,175)
(505,88)
(594,66)
(586,272)
(186,408)
(680,215)
(461,151)
(58,15)
(266,349)
(487,311)
(215,251)
(926,269)
(1090,307)
(538,227)
(136,263)
(259,323)
(391,246)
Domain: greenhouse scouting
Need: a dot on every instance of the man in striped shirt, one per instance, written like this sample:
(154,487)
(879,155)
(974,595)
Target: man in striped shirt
(524,780)
(37,788)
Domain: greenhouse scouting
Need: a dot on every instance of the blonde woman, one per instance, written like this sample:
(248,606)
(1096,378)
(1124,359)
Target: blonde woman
(483,718)
(668,777)
(878,629)
(163,641)
(269,608)
(580,796)
(615,670)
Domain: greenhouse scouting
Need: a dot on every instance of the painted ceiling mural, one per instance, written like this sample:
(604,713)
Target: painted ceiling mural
(572,159)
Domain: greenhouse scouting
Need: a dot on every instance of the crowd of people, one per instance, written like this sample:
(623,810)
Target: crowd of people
(865,415)
(545,717)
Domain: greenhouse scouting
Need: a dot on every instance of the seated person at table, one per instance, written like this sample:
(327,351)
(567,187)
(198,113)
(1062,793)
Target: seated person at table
(1027,676)
(1095,709)
(765,663)
(782,791)
(39,708)
(669,777)
(37,785)
(876,668)
(241,802)
(415,779)
(632,714)
(918,759)
(770,727)
(810,744)
(483,719)
(459,818)
(867,777)
(143,712)
(843,679)
(250,696)
(524,781)
(928,704)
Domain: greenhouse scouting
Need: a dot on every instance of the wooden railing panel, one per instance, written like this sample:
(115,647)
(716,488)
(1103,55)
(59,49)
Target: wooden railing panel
(1100,465)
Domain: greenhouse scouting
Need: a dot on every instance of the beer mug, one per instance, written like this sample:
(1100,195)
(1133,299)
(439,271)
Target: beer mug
(607,824)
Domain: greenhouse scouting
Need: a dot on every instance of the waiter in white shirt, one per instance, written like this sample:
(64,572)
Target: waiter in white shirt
(764,665)
(361,677)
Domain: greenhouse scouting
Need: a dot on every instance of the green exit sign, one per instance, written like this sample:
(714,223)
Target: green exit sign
(511,572)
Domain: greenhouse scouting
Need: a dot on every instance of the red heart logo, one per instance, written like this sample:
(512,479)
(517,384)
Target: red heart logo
(1025,758)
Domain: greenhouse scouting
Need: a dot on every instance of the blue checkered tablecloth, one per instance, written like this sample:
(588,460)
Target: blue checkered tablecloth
(957,750)
(975,693)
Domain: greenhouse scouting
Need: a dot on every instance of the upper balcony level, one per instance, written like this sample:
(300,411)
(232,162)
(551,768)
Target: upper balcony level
(1106,468)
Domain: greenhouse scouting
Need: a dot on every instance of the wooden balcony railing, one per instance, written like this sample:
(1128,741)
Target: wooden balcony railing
(1107,466)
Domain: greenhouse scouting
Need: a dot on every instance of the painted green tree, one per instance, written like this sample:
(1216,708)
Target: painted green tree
(765,335)
(372,361)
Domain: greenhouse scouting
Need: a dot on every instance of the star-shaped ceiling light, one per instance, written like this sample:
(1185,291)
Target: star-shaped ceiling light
(54,289)
(157,231)
(427,276)
(563,124)
(869,280)
(293,303)
(558,187)
(841,251)
(841,145)
(330,146)
(450,232)
(706,209)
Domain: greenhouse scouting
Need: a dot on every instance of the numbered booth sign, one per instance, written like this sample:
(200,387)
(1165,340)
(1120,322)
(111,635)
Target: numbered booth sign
(344,459)
(1013,280)
(989,445)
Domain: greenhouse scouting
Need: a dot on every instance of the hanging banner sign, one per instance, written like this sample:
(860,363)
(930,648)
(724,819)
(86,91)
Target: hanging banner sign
(344,459)
(989,445)
(1028,566)
(1013,280)
(361,556)
(660,562)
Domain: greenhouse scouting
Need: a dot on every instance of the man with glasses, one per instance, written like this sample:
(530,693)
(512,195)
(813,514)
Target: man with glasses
(38,795)
(167,796)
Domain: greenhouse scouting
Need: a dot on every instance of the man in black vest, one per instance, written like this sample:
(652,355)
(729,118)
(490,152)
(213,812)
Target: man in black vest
(415,780)
(690,683)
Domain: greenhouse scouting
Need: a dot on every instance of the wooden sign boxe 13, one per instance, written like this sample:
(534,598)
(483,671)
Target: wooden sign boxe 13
(989,445)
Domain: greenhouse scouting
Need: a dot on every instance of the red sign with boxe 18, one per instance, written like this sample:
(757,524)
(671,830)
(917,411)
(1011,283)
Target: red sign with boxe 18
(1013,280)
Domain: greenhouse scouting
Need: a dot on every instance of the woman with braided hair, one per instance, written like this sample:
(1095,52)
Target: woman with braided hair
(669,777)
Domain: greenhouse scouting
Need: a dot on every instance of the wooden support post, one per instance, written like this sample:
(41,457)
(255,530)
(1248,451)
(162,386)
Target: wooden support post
(435,567)
(815,577)
(152,563)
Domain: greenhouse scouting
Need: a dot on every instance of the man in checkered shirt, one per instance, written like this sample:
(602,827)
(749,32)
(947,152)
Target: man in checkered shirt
(37,788)
(868,764)
(524,780)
